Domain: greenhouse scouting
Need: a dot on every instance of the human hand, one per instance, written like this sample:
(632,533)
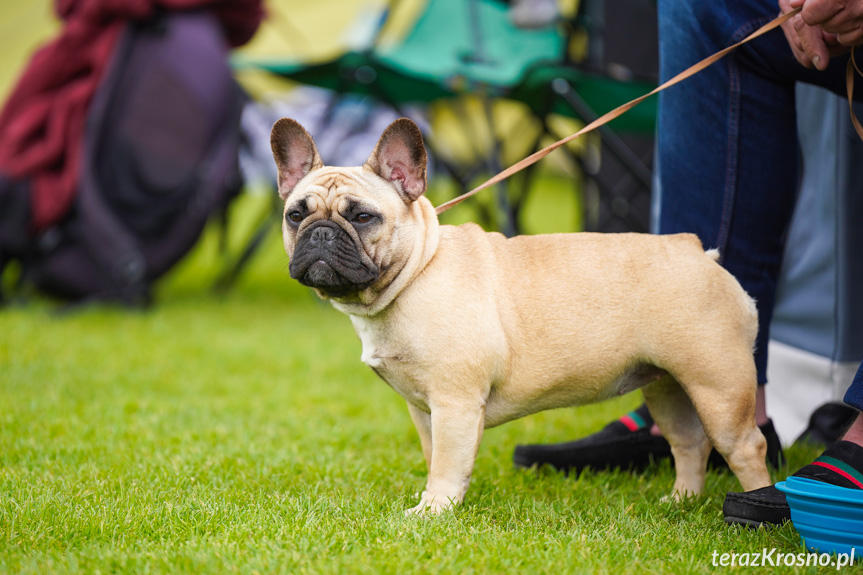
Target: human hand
(841,18)
(813,37)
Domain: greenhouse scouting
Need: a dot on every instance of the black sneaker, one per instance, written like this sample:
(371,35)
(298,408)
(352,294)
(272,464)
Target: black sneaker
(623,444)
(828,424)
(841,464)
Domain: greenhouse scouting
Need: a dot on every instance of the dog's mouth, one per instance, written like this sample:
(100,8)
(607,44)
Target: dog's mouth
(326,259)
(321,276)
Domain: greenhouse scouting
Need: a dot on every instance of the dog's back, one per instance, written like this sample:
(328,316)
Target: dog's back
(593,306)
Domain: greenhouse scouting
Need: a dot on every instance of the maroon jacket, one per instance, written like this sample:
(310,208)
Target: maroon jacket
(42,122)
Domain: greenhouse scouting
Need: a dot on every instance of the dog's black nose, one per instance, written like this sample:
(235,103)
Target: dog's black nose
(322,235)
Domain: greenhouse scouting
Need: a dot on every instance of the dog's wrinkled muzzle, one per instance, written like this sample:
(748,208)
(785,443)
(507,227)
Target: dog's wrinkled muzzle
(327,259)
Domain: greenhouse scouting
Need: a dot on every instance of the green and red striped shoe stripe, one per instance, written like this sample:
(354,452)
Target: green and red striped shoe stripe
(632,421)
(841,468)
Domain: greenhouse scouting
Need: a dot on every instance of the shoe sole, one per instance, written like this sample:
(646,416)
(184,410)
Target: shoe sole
(751,523)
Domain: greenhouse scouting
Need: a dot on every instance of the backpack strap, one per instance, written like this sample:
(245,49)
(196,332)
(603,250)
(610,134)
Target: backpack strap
(112,246)
(218,179)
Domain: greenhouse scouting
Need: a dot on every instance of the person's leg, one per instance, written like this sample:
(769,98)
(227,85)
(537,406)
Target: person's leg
(855,432)
(854,398)
(854,395)
(727,140)
(728,160)
(727,144)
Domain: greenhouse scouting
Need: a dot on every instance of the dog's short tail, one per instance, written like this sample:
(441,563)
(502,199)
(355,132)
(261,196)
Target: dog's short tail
(712,254)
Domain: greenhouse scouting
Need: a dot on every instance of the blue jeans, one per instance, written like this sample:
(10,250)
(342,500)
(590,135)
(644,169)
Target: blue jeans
(727,154)
(854,395)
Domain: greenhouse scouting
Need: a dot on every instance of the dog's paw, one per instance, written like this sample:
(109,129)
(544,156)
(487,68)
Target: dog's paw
(678,496)
(431,504)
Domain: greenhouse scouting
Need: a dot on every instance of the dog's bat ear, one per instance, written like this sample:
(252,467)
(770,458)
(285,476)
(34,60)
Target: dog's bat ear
(295,154)
(400,158)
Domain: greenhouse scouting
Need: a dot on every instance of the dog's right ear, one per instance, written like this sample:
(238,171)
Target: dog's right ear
(295,154)
(400,158)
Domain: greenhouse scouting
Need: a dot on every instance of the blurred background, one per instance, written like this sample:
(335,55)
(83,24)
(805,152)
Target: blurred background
(488,81)
(25,26)
(138,134)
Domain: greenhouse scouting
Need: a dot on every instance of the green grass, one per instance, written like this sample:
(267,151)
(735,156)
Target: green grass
(241,433)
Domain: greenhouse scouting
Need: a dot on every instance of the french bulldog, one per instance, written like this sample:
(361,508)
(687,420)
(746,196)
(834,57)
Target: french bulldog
(475,329)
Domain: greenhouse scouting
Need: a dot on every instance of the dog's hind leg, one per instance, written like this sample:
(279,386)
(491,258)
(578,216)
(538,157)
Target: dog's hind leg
(724,397)
(675,416)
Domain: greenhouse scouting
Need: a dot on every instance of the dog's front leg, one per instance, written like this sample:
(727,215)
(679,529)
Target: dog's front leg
(422,421)
(456,431)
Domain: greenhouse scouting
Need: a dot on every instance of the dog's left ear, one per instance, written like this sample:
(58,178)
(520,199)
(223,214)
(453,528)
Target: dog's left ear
(400,158)
(295,154)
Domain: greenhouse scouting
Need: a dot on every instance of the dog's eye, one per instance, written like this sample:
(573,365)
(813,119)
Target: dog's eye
(363,218)
(295,217)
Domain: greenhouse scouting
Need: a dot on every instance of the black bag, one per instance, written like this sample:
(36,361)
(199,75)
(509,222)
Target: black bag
(160,155)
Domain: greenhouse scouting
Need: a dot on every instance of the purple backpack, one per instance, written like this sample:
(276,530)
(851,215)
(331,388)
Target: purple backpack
(160,156)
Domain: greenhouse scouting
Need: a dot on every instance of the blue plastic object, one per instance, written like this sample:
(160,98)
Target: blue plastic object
(827,517)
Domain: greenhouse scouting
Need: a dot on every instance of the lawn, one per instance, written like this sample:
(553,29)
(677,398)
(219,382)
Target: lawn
(241,433)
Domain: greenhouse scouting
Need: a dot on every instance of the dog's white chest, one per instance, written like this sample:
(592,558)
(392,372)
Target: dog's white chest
(370,336)
(388,359)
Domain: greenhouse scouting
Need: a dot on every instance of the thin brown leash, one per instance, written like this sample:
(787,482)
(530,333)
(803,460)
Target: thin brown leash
(609,116)
(850,68)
